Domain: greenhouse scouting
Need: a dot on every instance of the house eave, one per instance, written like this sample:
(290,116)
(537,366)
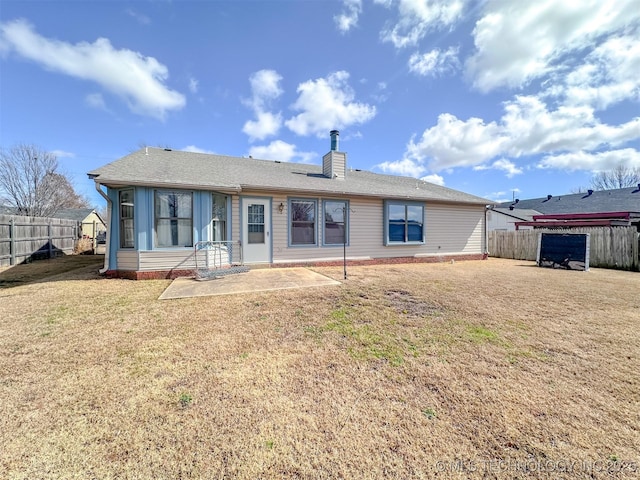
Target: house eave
(187,186)
(346,193)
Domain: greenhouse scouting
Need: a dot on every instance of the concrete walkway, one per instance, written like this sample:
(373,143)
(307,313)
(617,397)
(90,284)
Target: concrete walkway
(259,280)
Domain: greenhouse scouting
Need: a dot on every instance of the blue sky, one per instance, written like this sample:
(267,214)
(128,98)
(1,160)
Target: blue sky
(495,98)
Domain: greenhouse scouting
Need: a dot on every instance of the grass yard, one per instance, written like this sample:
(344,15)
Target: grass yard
(488,369)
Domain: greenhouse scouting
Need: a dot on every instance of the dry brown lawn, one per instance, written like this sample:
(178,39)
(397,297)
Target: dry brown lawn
(489,369)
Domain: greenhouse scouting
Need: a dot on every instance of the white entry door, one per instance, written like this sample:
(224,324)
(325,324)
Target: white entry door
(256,230)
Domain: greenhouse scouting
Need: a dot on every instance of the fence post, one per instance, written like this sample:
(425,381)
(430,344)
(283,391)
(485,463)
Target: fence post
(635,249)
(50,243)
(12,241)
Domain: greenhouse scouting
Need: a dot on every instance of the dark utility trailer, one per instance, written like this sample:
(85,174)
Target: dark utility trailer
(569,251)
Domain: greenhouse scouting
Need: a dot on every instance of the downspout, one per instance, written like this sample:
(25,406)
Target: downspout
(486,235)
(109,226)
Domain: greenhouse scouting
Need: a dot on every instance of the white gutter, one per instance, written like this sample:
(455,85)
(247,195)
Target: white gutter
(107,244)
(486,234)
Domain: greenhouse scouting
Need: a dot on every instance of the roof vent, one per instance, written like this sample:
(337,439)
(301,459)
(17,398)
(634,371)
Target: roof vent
(639,186)
(517,200)
(549,197)
(334,134)
(167,149)
(511,207)
(589,192)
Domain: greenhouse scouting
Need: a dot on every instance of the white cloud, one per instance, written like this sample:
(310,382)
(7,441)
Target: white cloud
(456,143)
(63,154)
(434,178)
(265,88)
(435,62)
(139,80)
(416,18)
(406,167)
(517,42)
(598,161)
(267,124)
(348,19)
(608,75)
(327,103)
(193,85)
(141,18)
(526,128)
(501,164)
(194,149)
(283,151)
(96,100)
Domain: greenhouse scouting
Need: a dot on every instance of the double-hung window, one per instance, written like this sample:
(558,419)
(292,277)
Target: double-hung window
(335,222)
(125,200)
(302,222)
(173,219)
(404,222)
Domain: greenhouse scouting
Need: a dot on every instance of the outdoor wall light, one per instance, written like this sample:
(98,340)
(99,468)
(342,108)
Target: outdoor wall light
(281,207)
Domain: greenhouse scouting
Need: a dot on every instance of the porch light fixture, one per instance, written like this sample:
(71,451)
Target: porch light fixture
(281,207)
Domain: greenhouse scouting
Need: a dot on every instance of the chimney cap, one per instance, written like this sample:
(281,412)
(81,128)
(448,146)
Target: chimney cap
(334,132)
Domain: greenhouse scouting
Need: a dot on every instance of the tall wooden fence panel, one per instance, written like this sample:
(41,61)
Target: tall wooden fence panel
(24,238)
(610,247)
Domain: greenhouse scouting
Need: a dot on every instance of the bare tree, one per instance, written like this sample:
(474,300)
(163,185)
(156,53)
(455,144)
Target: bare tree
(30,183)
(618,177)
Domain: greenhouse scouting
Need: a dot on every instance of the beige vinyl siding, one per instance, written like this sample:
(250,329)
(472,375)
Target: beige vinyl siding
(235,218)
(150,260)
(127,259)
(449,230)
(454,229)
(167,259)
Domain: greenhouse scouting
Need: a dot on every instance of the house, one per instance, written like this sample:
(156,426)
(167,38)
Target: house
(600,208)
(591,201)
(93,226)
(505,219)
(164,204)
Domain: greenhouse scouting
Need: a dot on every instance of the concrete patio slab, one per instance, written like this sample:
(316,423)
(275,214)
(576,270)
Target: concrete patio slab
(259,280)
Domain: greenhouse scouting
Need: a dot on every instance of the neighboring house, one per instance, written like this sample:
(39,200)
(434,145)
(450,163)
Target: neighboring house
(592,201)
(7,210)
(163,202)
(93,226)
(594,208)
(505,218)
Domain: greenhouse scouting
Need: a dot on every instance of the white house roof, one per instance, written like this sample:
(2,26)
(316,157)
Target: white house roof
(177,169)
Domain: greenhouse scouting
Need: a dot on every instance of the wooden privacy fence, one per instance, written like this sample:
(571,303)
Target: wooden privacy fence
(35,237)
(610,247)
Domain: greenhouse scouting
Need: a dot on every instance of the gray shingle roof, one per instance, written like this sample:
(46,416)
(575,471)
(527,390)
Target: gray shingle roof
(177,169)
(77,214)
(7,210)
(619,200)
